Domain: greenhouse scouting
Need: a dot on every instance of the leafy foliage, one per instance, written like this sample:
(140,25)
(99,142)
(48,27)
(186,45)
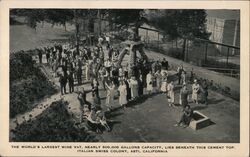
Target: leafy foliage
(55,124)
(27,83)
(185,23)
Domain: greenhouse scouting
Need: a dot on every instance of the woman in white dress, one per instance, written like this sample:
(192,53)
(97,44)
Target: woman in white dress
(110,95)
(133,84)
(183,77)
(149,82)
(164,83)
(123,94)
(87,70)
(171,93)
(195,90)
(158,80)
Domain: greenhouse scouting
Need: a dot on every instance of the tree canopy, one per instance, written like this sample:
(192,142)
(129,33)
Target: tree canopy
(187,23)
(184,23)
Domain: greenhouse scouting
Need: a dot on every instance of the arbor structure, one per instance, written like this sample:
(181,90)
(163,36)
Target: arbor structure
(132,18)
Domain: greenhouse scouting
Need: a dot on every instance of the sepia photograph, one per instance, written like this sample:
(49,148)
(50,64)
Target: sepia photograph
(124,75)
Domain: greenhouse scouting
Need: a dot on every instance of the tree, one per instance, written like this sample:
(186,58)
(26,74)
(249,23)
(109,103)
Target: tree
(59,16)
(32,15)
(186,24)
(127,18)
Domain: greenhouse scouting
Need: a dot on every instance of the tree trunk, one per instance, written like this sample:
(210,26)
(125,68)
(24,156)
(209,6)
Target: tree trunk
(176,43)
(99,23)
(77,31)
(183,49)
(77,38)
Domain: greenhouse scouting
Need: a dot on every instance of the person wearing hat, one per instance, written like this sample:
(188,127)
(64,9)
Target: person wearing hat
(195,90)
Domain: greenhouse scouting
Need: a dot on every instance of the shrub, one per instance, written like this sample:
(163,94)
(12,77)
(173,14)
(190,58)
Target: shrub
(54,124)
(27,84)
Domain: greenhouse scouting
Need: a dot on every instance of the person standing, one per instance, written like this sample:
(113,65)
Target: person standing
(154,83)
(184,96)
(71,82)
(107,38)
(140,85)
(195,90)
(164,82)
(95,96)
(104,76)
(127,88)
(40,55)
(134,87)
(191,79)
(63,82)
(164,64)
(123,94)
(158,80)
(110,95)
(126,71)
(48,55)
(171,93)
(179,72)
(183,77)
(205,92)
(108,66)
(149,82)
(87,70)
(79,75)
(121,73)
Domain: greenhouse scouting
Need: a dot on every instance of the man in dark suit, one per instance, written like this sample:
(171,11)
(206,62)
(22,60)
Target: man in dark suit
(63,82)
(164,64)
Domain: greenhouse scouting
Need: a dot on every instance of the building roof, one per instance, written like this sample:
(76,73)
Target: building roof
(224,14)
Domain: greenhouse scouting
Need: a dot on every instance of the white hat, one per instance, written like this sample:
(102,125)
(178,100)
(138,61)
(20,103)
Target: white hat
(195,80)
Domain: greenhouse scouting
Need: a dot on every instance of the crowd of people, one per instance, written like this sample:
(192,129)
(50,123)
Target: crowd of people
(97,65)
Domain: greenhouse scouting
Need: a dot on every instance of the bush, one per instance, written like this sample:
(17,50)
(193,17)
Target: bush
(27,84)
(21,66)
(54,124)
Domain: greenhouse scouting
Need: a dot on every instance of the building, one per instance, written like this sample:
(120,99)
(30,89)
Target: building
(224,26)
(149,34)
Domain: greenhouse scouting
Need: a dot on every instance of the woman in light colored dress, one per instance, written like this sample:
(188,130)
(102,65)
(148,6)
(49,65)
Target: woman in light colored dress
(123,94)
(164,83)
(183,77)
(171,93)
(133,84)
(110,95)
(149,82)
(195,90)
(87,70)
(158,80)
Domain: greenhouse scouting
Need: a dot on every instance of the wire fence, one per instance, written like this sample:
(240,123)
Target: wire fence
(214,56)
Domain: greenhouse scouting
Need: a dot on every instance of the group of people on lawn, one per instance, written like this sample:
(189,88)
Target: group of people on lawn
(98,66)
